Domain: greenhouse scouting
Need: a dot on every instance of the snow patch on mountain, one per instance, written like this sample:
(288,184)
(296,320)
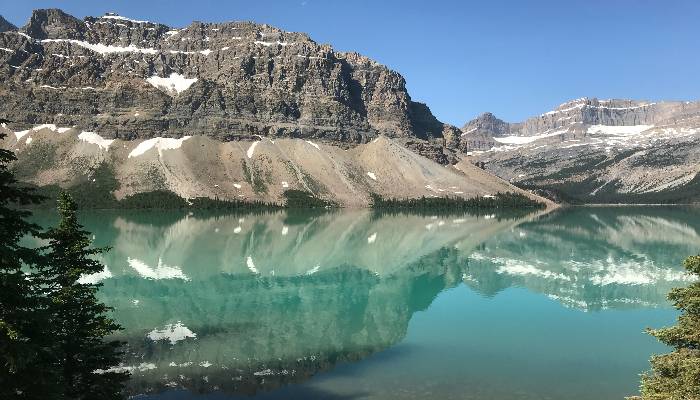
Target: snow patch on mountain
(52,127)
(624,130)
(104,48)
(120,18)
(313,144)
(251,149)
(94,138)
(159,143)
(526,139)
(175,83)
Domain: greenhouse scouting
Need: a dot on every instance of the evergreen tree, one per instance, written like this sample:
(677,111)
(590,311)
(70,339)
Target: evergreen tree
(25,348)
(676,376)
(80,322)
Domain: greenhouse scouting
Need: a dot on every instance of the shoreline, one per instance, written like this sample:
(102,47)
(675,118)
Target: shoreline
(634,205)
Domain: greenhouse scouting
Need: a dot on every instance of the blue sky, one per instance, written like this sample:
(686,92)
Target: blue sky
(514,58)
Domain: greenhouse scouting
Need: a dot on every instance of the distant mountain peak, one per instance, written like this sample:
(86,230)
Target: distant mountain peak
(53,23)
(487,123)
(6,25)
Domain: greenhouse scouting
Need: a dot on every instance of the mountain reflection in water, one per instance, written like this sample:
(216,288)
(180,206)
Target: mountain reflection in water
(248,303)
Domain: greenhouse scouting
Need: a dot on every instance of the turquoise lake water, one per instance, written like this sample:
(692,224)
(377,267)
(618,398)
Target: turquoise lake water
(356,305)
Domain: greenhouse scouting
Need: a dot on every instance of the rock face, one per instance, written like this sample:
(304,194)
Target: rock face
(5,25)
(478,133)
(233,110)
(587,111)
(597,151)
(133,79)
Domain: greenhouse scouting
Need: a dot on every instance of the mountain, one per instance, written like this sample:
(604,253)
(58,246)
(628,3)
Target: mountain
(232,110)
(263,169)
(596,151)
(6,25)
(132,79)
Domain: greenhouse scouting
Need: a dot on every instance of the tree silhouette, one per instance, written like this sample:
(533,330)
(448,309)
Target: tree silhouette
(80,322)
(676,376)
(25,344)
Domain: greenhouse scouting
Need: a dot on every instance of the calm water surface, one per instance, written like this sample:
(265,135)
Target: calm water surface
(354,305)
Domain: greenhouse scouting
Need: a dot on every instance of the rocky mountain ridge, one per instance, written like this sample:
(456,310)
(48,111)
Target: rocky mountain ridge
(590,111)
(596,151)
(5,25)
(131,79)
(115,78)
(236,110)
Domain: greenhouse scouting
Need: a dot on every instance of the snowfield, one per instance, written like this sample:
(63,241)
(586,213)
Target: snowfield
(174,83)
(94,138)
(624,130)
(159,143)
(526,139)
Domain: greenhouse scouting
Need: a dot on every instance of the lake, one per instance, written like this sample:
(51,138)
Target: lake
(360,305)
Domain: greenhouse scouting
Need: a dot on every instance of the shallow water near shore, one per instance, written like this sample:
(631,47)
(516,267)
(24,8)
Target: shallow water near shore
(359,305)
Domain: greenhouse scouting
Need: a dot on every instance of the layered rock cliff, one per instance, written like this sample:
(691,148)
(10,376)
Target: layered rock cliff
(596,151)
(234,110)
(134,79)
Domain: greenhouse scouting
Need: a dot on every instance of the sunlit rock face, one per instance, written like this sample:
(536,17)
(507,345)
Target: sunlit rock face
(111,106)
(597,151)
(224,80)
(244,303)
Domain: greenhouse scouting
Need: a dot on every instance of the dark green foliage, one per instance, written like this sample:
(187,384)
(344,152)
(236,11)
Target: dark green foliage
(676,376)
(551,194)
(159,199)
(52,327)
(38,157)
(23,345)
(98,188)
(255,177)
(301,199)
(246,172)
(580,193)
(163,199)
(78,321)
(170,201)
(205,203)
(499,201)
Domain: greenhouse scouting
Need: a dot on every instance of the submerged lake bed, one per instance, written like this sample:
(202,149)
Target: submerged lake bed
(364,305)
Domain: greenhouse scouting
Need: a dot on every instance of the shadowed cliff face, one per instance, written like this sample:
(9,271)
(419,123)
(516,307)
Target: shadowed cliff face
(133,79)
(5,25)
(244,303)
